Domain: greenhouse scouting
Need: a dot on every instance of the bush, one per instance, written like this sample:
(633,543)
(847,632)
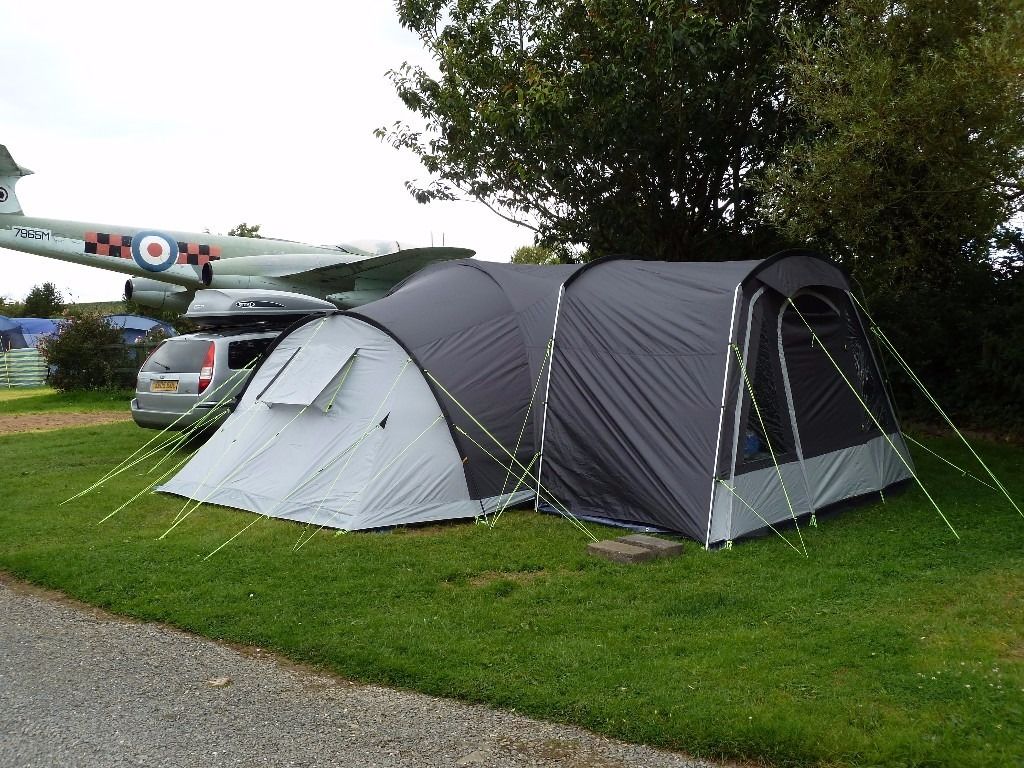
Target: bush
(85,353)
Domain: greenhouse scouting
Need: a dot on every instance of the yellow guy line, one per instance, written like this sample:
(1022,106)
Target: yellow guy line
(881,429)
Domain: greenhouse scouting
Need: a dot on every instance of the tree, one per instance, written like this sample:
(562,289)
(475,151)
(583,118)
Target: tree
(913,155)
(604,126)
(85,353)
(534,254)
(11,308)
(43,301)
(245,230)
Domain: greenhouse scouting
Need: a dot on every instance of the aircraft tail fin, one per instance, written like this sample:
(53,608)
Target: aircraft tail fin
(10,173)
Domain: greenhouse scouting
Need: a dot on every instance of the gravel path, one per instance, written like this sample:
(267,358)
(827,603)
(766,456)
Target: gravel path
(79,687)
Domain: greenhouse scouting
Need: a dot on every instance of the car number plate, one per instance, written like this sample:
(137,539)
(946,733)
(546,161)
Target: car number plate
(170,385)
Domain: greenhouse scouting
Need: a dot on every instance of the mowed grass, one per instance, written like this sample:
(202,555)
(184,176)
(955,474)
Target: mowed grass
(892,644)
(45,399)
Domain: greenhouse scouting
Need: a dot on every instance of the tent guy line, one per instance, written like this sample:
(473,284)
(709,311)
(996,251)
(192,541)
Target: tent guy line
(401,453)
(888,345)
(545,495)
(348,451)
(958,468)
(130,461)
(775,530)
(545,363)
(183,514)
(560,506)
(148,488)
(258,452)
(913,474)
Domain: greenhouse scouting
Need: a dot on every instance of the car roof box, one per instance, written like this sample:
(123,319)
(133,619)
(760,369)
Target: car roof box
(223,307)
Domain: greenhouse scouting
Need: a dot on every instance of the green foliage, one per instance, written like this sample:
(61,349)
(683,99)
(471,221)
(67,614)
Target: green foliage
(914,150)
(43,301)
(604,126)
(534,254)
(10,308)
(86,353)
(892,644)
(245,230)
(911,173)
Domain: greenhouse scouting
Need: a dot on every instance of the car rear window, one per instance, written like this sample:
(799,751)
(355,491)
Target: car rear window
(241,353)
(177,356)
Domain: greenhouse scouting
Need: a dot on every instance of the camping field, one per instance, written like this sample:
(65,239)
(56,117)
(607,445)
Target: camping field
(891,644)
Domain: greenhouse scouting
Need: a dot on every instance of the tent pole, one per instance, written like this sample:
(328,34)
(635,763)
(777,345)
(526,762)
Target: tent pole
(721,413)
(771,450)
(791,405)
(883,379)
(526,418)
(547,390)
(7,364)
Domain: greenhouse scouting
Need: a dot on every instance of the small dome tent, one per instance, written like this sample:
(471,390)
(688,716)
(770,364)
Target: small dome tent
(686,396)
(11,335)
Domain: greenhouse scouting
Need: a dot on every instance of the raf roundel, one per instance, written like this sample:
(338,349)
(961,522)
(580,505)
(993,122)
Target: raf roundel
(154,251)
(3,194)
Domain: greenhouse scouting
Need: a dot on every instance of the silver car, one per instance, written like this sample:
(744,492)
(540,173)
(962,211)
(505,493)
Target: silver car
(193,375)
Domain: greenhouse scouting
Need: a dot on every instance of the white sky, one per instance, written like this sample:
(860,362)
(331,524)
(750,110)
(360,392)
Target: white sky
(200,115)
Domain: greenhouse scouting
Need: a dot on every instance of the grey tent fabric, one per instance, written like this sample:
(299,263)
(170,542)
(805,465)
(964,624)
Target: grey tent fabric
(647,392)
(638,365)
(480,330)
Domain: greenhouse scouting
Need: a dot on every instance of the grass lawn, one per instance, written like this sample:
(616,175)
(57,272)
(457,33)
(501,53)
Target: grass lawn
(45,399)
(891,644)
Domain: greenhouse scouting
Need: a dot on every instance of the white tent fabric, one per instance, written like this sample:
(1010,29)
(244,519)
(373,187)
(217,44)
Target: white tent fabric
(381,455)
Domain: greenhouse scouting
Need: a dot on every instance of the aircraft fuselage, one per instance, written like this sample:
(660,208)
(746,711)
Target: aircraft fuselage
(171,256)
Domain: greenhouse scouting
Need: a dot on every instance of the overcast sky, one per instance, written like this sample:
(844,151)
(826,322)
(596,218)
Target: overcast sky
(201,115)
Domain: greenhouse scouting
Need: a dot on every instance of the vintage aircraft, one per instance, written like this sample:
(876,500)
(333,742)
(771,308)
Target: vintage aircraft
(170,266)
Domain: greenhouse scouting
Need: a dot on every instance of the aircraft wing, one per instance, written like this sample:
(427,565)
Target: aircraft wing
(390,268)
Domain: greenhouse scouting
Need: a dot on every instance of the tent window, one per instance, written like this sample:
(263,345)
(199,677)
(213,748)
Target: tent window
(768,420)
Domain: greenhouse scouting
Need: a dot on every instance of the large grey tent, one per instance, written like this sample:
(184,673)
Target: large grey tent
(686,396)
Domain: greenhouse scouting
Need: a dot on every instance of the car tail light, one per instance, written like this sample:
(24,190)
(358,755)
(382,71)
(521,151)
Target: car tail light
(206,373)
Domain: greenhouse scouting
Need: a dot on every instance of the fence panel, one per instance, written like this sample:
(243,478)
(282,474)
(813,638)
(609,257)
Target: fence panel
(22,368)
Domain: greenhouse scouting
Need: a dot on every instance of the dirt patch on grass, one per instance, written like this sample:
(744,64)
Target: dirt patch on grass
(43,422)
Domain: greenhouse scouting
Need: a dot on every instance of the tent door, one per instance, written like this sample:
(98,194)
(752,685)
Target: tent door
(828,415)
